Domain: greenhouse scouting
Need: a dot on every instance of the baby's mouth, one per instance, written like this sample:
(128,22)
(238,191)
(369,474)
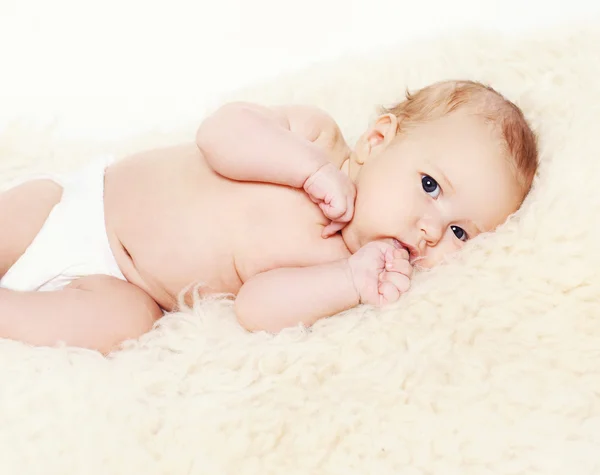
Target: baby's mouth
(398,245)
(412,252)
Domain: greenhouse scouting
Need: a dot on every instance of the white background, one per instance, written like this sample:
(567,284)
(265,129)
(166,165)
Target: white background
(101,63)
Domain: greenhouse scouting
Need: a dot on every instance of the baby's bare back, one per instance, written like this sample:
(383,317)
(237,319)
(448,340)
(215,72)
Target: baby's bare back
(172,222)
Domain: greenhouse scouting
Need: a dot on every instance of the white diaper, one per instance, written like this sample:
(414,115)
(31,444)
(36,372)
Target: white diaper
(72,242)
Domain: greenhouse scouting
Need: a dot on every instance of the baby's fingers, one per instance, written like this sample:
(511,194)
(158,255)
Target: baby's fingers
(402,266)
(348,215)
(337,225)
(332,228)
(334,209)
(398,280)
(388,293)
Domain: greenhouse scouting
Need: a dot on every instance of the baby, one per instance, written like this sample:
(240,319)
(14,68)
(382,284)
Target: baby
(270,205)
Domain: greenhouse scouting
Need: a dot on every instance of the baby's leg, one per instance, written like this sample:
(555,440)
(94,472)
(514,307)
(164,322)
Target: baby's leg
(97,312)
(23,211)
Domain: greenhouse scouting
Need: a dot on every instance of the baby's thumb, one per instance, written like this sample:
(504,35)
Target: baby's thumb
(332,228)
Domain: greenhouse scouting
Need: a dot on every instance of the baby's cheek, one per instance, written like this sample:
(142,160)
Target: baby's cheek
(422,262)
(435,255)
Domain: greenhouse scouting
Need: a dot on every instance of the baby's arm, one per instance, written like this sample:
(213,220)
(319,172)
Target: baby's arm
(282,145)
(378,274)
(284,297)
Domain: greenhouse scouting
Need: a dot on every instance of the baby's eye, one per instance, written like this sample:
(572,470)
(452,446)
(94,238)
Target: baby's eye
(430,186)
(459,233)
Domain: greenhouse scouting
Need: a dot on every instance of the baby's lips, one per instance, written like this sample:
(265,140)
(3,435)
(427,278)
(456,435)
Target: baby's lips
(412,252)
(397,244)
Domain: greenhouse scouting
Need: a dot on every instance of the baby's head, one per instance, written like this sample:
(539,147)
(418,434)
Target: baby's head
(453,160)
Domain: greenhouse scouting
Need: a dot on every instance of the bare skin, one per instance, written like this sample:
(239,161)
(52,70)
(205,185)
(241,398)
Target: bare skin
(97,311)
(33,199)
(253,208)
(226,231)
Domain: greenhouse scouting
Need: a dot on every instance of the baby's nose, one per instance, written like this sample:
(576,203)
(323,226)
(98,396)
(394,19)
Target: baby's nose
(432,229)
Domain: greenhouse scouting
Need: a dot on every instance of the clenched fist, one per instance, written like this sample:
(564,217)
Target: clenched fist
(335,193)
(381,272)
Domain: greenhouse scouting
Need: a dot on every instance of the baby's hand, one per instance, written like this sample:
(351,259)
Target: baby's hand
(381,273)
(334,192)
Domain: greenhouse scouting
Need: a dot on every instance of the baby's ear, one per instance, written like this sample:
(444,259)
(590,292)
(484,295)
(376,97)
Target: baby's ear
(376,138)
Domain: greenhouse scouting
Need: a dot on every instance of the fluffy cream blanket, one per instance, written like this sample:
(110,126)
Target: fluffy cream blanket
(490,365)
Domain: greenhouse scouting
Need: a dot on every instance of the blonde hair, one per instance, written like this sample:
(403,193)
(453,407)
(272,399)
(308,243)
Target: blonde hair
(442,98)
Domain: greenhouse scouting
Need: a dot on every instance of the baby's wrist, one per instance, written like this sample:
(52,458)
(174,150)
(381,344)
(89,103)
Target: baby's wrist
(312,165)
(319,170)
(346,268)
